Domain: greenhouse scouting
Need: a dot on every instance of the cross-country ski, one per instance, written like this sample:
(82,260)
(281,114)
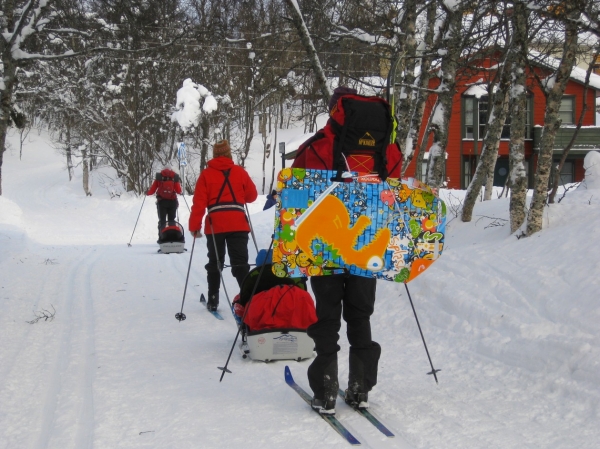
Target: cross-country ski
(330,419)
(214,313)
(367,414)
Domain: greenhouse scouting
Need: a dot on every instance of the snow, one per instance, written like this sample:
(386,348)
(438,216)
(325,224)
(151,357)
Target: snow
(578,74)
(189,110)
(513,324)
(591,165)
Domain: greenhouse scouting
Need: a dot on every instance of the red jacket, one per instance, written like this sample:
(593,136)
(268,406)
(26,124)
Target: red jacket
(155,185)
(228,215)
(166,173)
(317,152)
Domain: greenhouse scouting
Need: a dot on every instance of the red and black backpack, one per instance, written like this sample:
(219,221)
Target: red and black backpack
(166,184)
(362,127)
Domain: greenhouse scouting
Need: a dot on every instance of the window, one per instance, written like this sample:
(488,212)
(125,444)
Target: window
(567,174)
(475,118)
(567,110)
(528,119)
(423,171)
(469,166)
(482,107)
(468,116)
(506,128)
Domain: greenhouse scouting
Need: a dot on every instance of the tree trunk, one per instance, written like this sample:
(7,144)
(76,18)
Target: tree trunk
(567,149)
(404,102)
(421,96)
(204,126)
(489,179)
(552,123)
(274,150)
(9,78)
(517,174)
(443,108)
(491,143)
(307,42)
(86,172)
(266,146)
(69,152)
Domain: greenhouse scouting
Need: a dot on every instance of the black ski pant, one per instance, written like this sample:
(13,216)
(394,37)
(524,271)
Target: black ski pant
(167,209)
(353,298)
(237,248)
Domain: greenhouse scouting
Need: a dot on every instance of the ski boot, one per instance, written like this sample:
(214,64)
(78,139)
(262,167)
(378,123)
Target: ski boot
(357,400)
(213,302)
(322,406)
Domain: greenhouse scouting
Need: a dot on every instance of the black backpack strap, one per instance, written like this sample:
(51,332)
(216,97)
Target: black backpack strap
(225,182)
(341,131)
(219,205)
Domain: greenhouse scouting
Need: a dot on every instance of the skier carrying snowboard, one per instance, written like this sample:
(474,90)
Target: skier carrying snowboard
(166,185)
(352,117)
(223,189)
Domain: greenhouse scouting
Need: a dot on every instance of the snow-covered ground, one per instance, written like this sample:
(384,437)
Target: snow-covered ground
(514,326)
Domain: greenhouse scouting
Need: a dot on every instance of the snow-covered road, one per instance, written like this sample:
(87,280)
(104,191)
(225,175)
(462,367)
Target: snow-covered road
(512,324)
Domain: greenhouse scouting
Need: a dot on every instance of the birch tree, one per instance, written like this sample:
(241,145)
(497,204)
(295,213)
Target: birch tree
(420,93)
(518,111)
(570,13)
(452,39)
(491,141)
(311,52)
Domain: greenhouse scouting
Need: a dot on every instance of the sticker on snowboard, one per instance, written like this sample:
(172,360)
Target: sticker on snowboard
(391,230)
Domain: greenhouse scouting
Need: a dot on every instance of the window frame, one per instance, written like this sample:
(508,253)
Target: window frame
(468,123)
(571,99)
(475,124)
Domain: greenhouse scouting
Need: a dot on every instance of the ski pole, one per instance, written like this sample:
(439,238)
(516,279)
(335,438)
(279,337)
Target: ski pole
(433,370)
(186,203)
(251,228)
(224,368)
(181,316)
(136,221)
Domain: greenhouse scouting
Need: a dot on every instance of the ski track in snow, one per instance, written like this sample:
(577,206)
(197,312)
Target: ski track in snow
(69,399)
(63,402)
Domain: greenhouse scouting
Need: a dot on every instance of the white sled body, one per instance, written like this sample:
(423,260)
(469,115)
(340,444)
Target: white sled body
(172,247)
(277,344)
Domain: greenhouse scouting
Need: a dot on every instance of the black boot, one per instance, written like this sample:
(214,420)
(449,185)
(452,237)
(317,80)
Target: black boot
(323,379)
(213,279)
(213,301)
(357,400)
(363,375)
(324,407)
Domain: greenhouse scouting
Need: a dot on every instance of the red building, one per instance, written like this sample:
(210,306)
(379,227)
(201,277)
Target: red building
(470,114)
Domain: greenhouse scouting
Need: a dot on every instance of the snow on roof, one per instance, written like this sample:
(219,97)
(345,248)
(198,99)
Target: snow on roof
(577,74)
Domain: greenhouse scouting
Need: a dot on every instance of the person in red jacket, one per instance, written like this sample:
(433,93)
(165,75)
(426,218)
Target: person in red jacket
(350,296)
(166,185)
(223,189)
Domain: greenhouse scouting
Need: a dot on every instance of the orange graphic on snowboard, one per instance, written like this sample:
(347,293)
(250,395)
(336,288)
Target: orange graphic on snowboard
(330,221)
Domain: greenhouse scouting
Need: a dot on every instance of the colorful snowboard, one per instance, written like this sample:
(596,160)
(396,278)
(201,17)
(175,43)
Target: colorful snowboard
(392,230)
